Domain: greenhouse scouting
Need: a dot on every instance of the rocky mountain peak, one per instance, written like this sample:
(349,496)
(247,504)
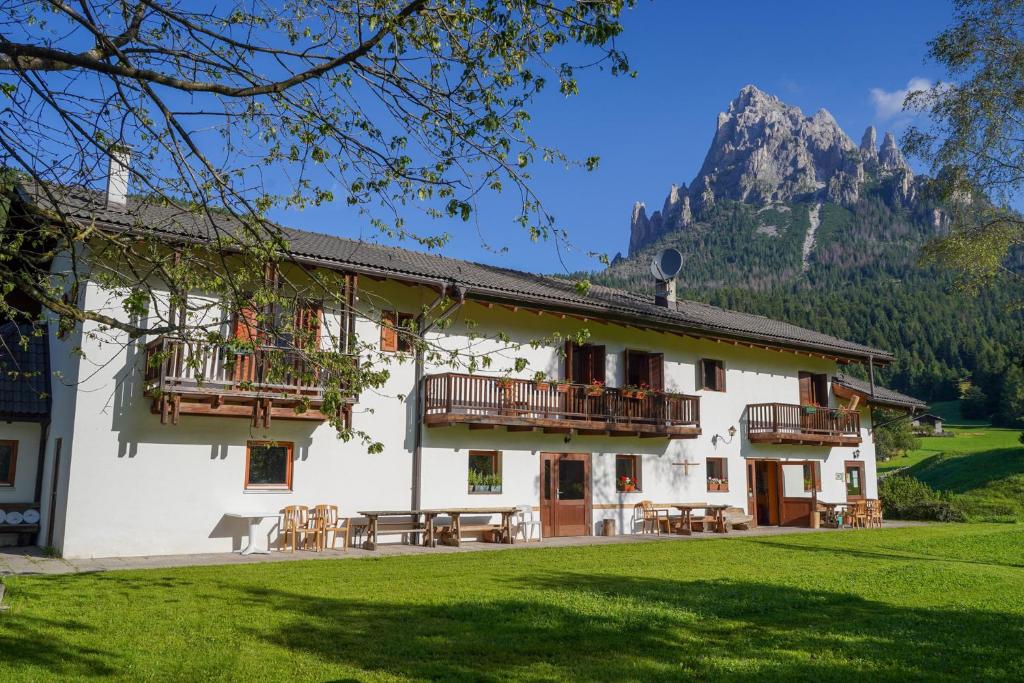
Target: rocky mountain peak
(766,151)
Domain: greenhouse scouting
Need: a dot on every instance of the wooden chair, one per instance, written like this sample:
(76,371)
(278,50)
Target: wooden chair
(857,515)
(655,518)
(327,520)
(874,514)
(298,524)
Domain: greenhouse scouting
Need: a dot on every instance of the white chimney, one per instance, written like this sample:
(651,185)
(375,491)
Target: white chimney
(117,177)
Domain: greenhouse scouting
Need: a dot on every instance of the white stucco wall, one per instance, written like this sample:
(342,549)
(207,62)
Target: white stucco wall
(132,486)
(27,435)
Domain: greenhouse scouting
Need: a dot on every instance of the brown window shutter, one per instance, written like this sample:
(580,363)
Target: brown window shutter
(806,389)
(597,364)
(628,357)
(656,371)
(720,375)
(388,333)
(567,372)
(246,325)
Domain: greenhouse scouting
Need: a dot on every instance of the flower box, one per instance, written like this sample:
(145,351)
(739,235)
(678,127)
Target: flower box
(562,387)
(541,386)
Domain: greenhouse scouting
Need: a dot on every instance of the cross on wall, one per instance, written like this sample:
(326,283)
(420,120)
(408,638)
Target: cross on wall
(686,465)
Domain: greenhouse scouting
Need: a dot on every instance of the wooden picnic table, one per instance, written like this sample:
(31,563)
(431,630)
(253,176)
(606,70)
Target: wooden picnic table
(505,527)
(715,510)
(374,526)
(831,510)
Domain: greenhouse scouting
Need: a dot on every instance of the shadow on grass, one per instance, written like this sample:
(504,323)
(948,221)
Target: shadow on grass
(580,626)
(888,555)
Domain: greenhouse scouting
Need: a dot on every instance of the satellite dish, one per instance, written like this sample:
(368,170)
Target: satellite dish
(666,264)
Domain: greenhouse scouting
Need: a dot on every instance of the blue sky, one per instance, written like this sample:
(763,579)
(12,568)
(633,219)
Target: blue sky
(851,58)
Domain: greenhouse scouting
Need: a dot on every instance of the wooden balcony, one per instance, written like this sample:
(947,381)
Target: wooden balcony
(207,379)
(794,424)
(520,405)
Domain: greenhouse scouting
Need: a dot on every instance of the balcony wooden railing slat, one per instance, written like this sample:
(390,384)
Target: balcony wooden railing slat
(786,418)
(210,368)
(457,393)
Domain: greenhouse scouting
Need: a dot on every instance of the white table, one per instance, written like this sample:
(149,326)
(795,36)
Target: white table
(254,519)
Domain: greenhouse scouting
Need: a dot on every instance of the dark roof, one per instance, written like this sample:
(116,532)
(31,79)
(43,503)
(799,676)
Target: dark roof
(480,281)
(928,416)
(24,373)
(881,395)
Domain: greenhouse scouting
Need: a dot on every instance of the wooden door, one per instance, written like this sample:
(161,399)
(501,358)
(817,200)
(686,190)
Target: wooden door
(855,480)
(565,494)
(751,490)
(767,492)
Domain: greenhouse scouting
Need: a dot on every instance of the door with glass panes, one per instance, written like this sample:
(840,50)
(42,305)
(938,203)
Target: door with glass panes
(565,494)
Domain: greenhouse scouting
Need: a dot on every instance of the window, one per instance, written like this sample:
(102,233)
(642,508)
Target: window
(584,363)
(8,459)
(812,476)
(395,331)
(711,375)
(718,475)
(644,369)
(627,473)
(813,389)
(484,472)
(268,465)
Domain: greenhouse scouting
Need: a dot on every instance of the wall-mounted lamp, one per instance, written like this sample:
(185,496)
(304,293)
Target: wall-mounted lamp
(856,454)
(718,437)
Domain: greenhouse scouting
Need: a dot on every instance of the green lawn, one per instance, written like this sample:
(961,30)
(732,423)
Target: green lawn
(984,465)
(943,602)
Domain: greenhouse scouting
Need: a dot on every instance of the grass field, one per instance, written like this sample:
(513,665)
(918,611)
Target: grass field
(943,602)
(983,465)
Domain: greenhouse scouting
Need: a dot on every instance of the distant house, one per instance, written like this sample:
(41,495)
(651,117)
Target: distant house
(928,422)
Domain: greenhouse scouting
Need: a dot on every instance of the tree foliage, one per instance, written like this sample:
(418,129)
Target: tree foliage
(893,434)
(234,109)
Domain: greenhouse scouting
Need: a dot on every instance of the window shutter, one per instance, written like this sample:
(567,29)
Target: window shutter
(597,357)
(567,372)
(246,325)
(720,375)
(700,375)
(656,371)
(388,333)
(806,389)
(628,358)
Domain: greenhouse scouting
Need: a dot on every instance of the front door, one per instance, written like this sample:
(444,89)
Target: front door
(565,494)
(751,490)
(855,480)
(766,492)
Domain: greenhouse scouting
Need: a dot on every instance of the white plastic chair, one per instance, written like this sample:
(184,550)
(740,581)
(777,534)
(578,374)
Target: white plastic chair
(524,521)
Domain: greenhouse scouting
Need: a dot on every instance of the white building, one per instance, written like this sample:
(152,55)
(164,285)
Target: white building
(740,410)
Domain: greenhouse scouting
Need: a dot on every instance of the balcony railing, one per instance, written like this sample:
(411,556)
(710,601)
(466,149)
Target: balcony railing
(523,404)
(214,378)
(796,424)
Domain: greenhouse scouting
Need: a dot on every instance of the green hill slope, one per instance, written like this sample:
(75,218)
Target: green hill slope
(983,466)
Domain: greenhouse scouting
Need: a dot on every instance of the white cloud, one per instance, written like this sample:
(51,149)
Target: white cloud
(889,104)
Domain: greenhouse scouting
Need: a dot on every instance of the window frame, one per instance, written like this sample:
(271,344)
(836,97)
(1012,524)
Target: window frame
(637,468)
(12,470)
(719,371)
(724,471)
(815,474)
(496,458)
(287,486)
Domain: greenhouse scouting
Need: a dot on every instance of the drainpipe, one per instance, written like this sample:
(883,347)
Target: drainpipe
(422,327)
(871,374)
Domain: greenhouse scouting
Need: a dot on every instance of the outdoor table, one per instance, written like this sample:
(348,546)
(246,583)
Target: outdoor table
(374,526)
(831,510)
(717,511)
(254,519)
(457,528)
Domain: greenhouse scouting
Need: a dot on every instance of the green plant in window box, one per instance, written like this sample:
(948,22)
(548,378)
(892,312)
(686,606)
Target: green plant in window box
(541,381)
(809,410)
(476,481)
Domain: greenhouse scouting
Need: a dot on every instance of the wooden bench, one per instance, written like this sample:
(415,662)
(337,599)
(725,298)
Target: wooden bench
(737,518)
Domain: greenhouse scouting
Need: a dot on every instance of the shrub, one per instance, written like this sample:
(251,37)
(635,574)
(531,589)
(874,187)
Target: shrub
(904,497)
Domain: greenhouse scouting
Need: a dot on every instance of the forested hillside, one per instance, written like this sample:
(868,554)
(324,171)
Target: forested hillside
(861,281)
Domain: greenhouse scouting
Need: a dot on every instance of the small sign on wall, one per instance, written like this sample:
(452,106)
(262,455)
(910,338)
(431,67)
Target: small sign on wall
(839,476)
